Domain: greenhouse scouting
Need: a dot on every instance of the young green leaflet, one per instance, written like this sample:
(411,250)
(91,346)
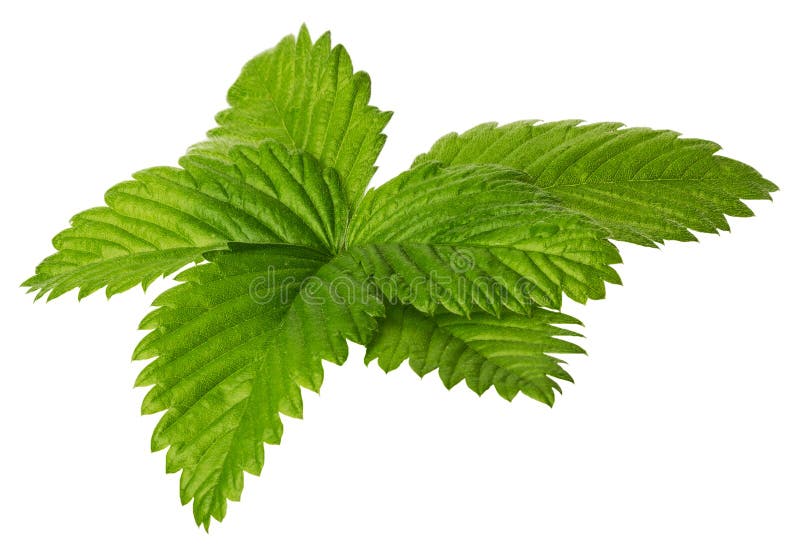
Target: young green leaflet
(458,264)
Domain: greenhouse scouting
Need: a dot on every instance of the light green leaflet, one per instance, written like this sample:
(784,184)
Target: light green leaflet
(644,186)
(459,264)
(519,246)
(306,96)
(231,357)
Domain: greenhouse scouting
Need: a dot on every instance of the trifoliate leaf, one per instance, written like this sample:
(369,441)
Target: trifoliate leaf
(645,186)
(455,265)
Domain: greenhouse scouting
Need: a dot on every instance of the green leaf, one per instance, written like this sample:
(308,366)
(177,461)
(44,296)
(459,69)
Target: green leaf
(456,264)
(233,343)
(168,217)
(644,185)
(477,235)
(509,353)
(306,96)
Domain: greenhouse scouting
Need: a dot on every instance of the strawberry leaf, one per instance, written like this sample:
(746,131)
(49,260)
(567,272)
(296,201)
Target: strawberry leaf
(459,264)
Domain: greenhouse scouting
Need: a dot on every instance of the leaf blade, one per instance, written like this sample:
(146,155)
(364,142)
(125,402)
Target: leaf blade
(232,345)
(305,95)
(166,218)
(509,353)
(477,235)
(646,186)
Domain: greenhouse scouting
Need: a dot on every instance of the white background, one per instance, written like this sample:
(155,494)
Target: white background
(681,432)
